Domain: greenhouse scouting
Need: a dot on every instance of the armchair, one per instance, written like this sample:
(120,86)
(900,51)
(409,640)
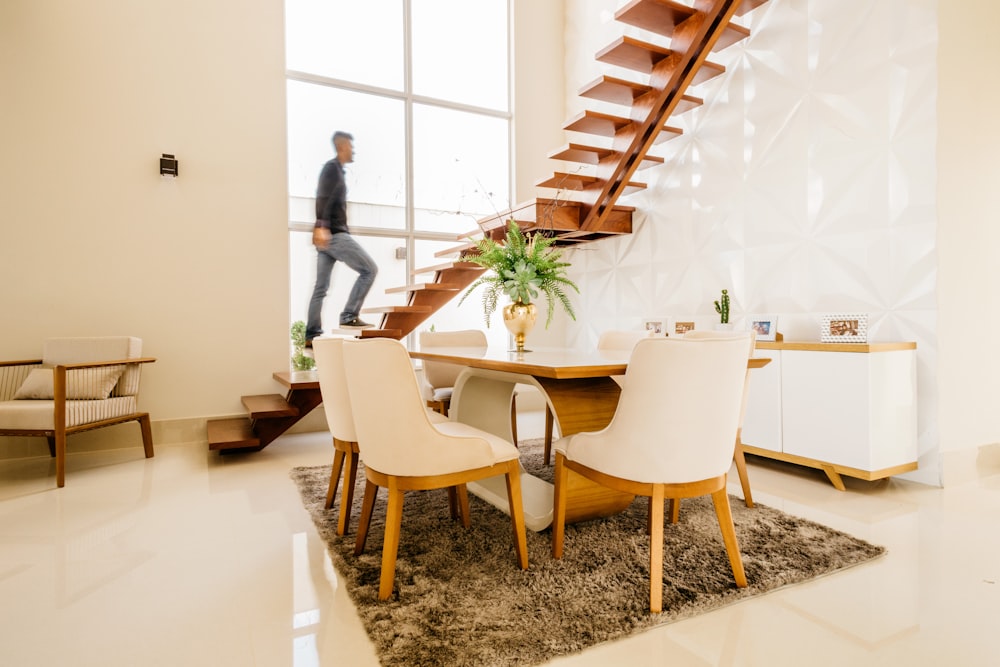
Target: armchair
(79,384)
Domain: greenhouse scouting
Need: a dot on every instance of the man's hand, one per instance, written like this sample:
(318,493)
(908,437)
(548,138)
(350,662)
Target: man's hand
(321,237)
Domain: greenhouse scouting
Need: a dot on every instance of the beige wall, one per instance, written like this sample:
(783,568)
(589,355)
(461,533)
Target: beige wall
(968,230)
(95,241)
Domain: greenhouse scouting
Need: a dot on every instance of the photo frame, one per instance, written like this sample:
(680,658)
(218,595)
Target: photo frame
(657,326)
(844,328)
(681,327)
(765,326)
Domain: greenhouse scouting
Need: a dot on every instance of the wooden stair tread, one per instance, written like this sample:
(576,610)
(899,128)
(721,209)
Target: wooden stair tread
(456,250)
(265,406)
(748,6)
(235,433)
(663,16)
(297,379)
(396,309)
(456,265)
(667,133)
(382,333)
(594,155)
(430,287)
(593,122)
(732,34)
(606,125)
(633,54)
(560,181)
(614,90)
(659,16)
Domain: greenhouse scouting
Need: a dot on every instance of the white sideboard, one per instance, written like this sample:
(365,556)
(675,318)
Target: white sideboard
(845,408)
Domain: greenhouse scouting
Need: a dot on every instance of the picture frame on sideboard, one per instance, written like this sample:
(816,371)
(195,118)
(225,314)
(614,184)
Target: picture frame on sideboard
(844,328)
(765,326)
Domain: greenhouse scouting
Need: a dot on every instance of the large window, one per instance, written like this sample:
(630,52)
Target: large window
(423,85)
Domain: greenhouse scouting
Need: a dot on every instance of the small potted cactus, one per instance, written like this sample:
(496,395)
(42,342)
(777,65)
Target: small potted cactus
(722,308)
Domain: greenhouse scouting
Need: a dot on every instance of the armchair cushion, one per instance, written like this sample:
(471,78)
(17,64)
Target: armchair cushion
(39,415)
(81,384)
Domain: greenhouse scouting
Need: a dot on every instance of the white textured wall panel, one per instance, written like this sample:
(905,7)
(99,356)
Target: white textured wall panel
(805,184)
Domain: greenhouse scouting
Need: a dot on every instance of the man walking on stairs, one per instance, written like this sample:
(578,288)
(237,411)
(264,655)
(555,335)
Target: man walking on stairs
(334,242)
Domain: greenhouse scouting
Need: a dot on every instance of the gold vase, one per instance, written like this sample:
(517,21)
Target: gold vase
(519,318)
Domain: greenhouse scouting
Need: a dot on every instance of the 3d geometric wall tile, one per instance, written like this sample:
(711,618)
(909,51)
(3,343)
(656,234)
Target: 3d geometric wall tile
(804,185)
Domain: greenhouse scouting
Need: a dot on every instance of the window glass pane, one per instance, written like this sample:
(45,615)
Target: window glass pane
(460,165)
(460,51)
(375,179)
(446,221)
(353,41)
(302,260)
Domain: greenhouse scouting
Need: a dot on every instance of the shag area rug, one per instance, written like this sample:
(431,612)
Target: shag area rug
(460,599)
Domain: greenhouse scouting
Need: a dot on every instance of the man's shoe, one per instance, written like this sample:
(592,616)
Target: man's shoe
(309,343)
(356,324)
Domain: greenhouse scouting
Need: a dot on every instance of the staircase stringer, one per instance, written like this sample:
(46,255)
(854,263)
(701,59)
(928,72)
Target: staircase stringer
(692,42)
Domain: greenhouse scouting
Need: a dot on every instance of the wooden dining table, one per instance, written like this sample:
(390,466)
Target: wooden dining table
(580,391)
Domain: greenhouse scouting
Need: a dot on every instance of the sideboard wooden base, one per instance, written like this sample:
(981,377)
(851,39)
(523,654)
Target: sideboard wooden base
(833,471)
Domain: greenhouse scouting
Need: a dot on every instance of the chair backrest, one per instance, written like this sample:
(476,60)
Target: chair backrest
(80,350)
(616,339)
(329,354)
(395,434)
(696,334)
(678,413)
(439,375)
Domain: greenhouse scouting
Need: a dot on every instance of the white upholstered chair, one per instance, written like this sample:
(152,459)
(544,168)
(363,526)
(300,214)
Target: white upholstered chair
(439,378)
(79,384)
(739,458)
(671,437)
(329,355)
(403,450)
(619,339)
(612,339)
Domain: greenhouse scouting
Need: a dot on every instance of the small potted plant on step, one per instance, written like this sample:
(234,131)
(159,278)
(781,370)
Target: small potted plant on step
(300,360)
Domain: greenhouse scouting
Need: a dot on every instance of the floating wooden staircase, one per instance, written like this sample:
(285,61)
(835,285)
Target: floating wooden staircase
(269,415)
(585,207)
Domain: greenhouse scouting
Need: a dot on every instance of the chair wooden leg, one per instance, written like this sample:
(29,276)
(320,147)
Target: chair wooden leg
(513,418)
(458,505)
(60,458)
(347,495)
(549,419)
(338,466)
(720,499)
(559,506)
(741,469)
(390,545)
(656,550)
(516,505)
(462,497)
(147,435)
(367,506)
(675,510)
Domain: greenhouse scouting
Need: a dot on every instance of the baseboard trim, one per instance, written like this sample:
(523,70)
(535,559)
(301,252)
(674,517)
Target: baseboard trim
(122,436)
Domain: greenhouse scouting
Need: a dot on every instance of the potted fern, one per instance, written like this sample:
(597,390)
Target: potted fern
(523,269)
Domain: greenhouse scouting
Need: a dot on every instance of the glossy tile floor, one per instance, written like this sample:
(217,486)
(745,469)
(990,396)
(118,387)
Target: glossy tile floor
(194,559)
